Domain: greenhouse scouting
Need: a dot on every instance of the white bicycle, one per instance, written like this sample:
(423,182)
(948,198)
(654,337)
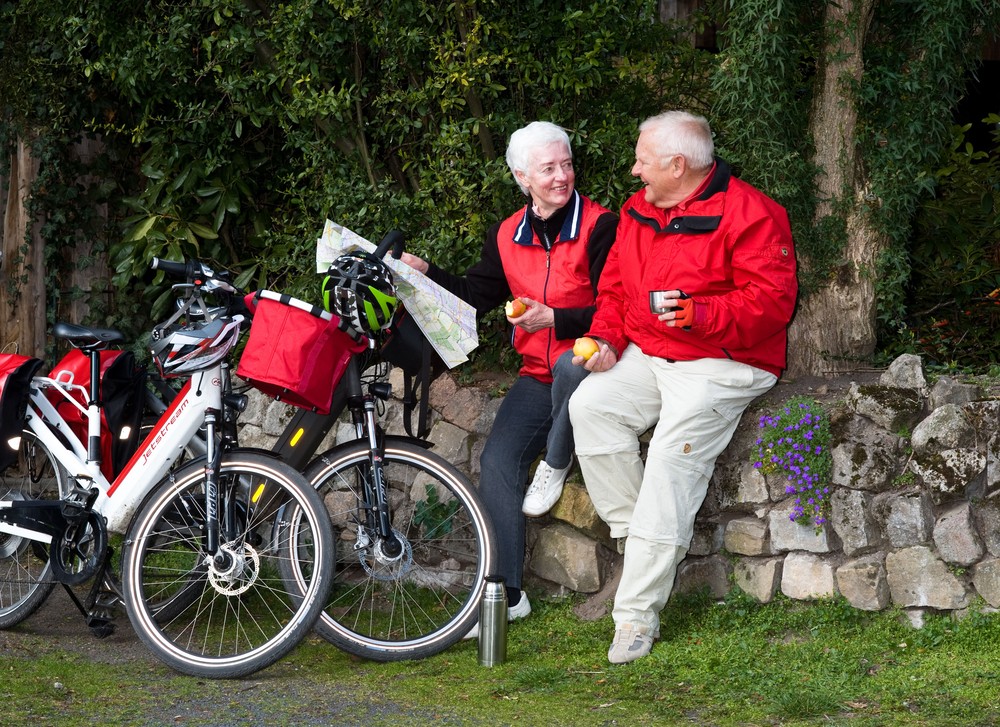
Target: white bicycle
(226,559)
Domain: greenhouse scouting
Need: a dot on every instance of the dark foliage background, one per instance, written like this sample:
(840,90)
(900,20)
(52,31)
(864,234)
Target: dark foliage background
(231,129)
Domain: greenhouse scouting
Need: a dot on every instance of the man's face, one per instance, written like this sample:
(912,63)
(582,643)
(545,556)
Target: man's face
(661,181)
(550,177)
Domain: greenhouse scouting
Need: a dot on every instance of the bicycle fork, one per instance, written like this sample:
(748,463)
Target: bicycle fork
(376,494)
(212,462)
(221,517)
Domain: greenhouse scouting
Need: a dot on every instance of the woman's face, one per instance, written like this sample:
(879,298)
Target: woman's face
(550,177)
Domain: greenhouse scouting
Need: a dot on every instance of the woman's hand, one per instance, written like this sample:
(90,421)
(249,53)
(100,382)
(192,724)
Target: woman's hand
(537,316)
(414,262)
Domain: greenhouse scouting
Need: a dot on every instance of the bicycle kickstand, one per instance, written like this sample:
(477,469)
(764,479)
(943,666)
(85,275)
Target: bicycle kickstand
(98,610)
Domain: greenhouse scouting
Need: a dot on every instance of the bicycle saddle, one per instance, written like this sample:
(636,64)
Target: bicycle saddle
(87,339)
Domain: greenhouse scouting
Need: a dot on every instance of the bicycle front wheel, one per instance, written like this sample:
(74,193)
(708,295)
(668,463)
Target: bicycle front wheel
(418,596)
(25,574)
(232,613)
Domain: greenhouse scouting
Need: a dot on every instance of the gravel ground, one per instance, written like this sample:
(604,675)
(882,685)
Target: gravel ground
(278,695)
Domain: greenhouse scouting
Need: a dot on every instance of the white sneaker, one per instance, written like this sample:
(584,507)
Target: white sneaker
(629,644)
(545,489)
(521,609)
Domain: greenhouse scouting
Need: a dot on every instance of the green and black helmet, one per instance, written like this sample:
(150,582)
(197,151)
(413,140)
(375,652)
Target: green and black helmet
(359,288)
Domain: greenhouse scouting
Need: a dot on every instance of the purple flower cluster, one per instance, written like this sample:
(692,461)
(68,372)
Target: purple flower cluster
(794,440)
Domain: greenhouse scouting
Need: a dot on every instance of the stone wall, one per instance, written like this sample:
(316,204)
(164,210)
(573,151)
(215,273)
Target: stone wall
(915,518)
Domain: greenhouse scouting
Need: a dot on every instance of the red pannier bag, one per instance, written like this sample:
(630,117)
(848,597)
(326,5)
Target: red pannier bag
(297,352)
(15,384)
(121,395)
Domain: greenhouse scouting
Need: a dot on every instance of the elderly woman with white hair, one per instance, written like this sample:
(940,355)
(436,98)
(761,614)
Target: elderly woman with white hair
(549,254)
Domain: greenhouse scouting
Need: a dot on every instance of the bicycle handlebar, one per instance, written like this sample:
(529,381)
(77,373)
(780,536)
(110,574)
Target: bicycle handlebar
(197,272)
(200,278)
(393,239)
(173,269)
(190,270)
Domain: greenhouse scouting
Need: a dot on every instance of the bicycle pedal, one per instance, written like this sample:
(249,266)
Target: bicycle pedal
(82,489)
(101,628)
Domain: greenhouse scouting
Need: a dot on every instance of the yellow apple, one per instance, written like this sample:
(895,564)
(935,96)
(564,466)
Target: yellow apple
(585,347)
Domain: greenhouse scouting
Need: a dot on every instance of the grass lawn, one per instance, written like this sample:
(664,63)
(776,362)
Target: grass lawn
(732,663)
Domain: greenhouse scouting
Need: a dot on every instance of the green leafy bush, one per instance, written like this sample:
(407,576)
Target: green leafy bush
(954,297)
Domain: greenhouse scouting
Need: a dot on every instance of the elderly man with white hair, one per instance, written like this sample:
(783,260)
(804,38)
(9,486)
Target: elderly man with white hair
(692,314)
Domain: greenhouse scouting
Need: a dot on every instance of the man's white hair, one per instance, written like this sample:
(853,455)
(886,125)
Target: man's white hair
(684,133)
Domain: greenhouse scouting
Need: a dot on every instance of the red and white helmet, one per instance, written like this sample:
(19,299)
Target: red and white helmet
(182,350)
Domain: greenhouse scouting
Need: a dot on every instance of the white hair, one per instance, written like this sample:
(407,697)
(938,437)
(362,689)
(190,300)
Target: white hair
(527,140)
(680,132)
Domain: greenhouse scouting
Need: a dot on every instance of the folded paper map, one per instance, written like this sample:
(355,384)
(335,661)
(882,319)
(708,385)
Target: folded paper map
(447,321)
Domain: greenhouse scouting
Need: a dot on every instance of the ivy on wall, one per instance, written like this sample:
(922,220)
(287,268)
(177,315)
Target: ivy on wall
(915,70)
(45,104)
(917,56)
(763,86)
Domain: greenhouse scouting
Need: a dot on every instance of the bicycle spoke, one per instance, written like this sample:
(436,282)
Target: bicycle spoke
(235,612)
(386,605)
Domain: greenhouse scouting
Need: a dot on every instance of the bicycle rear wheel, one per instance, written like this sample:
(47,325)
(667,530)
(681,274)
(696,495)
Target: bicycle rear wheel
(25,575)
(229,617)
(391,607)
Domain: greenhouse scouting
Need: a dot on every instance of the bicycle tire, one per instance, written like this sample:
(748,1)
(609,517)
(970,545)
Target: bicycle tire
(428,598)
(218,623)
(25,574)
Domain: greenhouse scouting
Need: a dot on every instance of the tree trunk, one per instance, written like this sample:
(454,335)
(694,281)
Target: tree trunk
(22,295)
(682,10)
(834,327)
(94,280)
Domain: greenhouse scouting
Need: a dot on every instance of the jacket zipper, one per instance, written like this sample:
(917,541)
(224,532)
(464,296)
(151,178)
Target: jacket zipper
(550,333)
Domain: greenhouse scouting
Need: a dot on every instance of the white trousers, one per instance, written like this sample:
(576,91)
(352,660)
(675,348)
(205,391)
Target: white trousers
(696,406)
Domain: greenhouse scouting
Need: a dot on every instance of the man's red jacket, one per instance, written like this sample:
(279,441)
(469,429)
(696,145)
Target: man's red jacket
(729,247)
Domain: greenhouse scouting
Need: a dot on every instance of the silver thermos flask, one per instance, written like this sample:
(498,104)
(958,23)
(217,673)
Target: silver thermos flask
(493,623)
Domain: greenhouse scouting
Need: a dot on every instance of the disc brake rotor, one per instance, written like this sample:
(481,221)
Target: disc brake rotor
(383,567)
(241,574)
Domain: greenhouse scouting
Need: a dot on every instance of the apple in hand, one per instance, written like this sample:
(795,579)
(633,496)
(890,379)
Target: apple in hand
(585,347)
(515,308)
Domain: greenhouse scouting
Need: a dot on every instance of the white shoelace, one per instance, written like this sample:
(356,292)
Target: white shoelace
(537,486)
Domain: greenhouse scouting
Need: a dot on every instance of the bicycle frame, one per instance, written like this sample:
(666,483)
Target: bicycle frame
(226,560)
(300,439)
(198,403)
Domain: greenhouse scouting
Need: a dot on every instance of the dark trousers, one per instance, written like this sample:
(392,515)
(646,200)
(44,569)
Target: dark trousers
(533,416)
